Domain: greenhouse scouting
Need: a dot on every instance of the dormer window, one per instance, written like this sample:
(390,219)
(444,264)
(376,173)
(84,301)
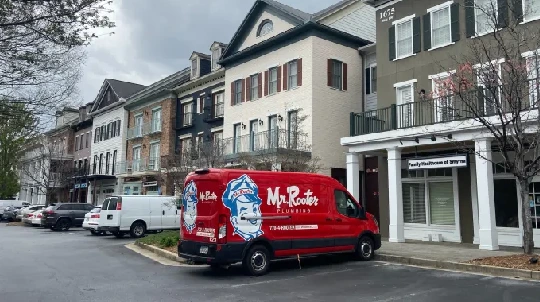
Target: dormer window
(265,27)
(194,68)
(216,53)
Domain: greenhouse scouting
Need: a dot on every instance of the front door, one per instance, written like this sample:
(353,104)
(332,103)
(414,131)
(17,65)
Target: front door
(253,137)
(346,221)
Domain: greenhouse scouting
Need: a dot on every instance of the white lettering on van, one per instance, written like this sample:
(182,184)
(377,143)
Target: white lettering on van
(208,196)
(292,198)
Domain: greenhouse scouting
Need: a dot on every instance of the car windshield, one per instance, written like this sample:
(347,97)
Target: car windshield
(96,210)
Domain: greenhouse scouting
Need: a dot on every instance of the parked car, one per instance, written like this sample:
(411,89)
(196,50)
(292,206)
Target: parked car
(255,217)
(62,216)
(137,215)
(26,210)
(91,221)
(35,220)
(10,203)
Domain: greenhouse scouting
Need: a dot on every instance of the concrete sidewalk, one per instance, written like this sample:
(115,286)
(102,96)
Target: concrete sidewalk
(450,256)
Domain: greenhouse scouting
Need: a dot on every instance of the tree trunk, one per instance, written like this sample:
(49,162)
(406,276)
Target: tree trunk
(528,240)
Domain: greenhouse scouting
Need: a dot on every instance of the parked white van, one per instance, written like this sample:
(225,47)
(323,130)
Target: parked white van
(138,214)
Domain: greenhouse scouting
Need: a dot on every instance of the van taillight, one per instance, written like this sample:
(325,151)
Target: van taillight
(94,216)
(222,230)
(118,206)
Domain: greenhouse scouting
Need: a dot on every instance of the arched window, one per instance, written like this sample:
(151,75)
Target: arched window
(265,27)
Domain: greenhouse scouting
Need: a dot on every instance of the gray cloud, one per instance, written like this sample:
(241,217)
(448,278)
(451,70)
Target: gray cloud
(154,38)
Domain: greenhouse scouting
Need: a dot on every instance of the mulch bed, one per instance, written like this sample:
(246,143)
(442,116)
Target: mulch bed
(518,261)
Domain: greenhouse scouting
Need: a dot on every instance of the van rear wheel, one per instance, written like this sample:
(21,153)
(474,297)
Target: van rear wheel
(256,261)
(137,229)
(365,250)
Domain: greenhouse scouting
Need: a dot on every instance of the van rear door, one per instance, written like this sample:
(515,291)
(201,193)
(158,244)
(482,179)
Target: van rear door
(200,213)
(110,212)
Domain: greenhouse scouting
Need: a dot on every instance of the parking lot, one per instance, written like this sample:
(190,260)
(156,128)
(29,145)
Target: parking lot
(42,265)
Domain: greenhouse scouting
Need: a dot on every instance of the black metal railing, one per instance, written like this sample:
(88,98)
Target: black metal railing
(266,141)
(479,102)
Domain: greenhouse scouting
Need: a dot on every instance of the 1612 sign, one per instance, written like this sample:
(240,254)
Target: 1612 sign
(387,15)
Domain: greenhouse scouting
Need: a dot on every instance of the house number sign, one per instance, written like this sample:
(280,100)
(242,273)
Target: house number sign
(386,15)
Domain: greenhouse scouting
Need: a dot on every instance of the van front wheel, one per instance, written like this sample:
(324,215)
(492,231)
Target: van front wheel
(137,229)
(365,250)
(257,260)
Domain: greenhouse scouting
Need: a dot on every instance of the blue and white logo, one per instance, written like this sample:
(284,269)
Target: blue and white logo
(190,206)
(242,198)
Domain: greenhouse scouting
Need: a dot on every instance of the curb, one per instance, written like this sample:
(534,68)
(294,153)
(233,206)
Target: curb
(464,267)
(163,253)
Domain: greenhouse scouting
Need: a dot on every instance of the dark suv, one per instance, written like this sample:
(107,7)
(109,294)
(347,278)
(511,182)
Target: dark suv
(62,216)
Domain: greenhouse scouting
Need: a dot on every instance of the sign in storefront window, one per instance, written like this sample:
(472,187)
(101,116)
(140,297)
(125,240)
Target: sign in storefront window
(414,203)
(441,203)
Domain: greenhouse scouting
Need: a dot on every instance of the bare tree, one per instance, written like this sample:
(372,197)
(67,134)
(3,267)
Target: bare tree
(495,87)
(40,54)
(286,150)
(48,167)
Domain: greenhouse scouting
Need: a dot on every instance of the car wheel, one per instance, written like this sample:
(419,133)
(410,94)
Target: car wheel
(94,232)
(137,230)
(256,261)
(119,234)
(63,224)
(365,250)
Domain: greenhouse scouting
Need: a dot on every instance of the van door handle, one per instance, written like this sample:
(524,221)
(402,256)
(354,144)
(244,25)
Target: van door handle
(339,220)
(328,219)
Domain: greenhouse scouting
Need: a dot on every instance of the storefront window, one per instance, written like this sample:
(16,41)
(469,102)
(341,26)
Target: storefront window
(406,173)
(414,202)
(441,203)
(534,203)
(440,172)
(506,203)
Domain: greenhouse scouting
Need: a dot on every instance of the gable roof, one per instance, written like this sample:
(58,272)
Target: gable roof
(332,8)
(121,89)
(291,11)
(124,89)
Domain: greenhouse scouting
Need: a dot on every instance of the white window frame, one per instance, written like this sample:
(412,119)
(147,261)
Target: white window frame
(136,162)
(138,133)
(435,9)
(399,86)
(434,79)
(497,63)
(219,99)
(371,67)
(270,92)
(156,126)
(533,94)
(185,122)
(238,94)
(195,71)
(396,23)
(529,17)
(153,162)
(254,96)
(214,60)
(476,11)
(290,83)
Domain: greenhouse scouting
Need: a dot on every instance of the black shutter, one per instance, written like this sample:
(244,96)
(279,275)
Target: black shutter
(392,42)
(368,80)
(502,13)
(470,23)
(417,35)
(518,10)
(427,31)
(480,100)
(454,17)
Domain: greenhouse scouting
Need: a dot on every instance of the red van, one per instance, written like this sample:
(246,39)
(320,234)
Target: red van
(254,217)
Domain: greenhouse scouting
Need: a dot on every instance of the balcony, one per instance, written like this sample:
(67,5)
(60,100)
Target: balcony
(266,141)
(483,102)
(139,166)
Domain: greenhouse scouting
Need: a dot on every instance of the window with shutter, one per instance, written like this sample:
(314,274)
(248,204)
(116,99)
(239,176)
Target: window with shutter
(371,79)
(254,87)
(293,74)
(485,12)
(441,31)
(237,94)
(404,39)
(336,78)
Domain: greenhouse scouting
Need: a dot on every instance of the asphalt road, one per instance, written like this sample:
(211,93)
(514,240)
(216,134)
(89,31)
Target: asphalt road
(41,265)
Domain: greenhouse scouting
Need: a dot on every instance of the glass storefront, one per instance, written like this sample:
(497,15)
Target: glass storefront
(506,202)
(428,196)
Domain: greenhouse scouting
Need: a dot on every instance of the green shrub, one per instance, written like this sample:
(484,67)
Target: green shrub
(163,239)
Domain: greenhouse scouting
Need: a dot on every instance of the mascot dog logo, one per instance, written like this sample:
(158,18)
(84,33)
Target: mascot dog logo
(190,206)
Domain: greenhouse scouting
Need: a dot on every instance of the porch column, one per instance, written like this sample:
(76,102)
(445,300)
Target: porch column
(486,206)
(395,196)
(353,175)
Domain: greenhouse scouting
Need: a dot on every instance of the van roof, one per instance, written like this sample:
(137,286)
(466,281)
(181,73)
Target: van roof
(320,177)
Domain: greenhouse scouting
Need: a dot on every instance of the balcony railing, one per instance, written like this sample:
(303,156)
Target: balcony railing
(270,140)
(138,166)
(481,102)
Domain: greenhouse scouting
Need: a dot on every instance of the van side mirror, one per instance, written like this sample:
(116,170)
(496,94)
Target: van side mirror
(362,213)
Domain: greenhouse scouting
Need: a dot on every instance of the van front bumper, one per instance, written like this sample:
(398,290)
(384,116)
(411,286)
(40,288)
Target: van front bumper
(377,241)
(217,253)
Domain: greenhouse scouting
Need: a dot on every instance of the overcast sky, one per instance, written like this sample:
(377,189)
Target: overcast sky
(155,38)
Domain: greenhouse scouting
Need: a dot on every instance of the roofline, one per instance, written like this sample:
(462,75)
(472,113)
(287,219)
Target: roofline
(156,88)
(292,32)
(332,9)
(380,3)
